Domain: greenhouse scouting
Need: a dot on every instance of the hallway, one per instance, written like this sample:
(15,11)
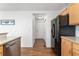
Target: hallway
(38,50)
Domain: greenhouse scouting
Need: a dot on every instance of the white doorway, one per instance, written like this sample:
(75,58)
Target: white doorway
(40,29)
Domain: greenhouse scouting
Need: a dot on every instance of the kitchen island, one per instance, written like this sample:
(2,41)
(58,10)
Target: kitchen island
(10,46)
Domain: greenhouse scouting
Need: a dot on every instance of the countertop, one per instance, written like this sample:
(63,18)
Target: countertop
(3,33)
(71,38)
(8,39)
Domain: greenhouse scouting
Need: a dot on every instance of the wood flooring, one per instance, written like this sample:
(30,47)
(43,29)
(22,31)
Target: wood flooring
(39,49)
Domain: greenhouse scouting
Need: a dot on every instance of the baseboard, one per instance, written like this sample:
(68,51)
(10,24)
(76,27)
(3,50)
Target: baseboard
(32,48)
(26,47)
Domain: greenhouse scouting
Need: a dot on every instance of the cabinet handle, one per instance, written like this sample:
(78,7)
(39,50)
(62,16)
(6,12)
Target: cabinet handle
(8,45)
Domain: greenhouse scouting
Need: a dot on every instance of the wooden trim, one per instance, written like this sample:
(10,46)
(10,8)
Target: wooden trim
(26,47)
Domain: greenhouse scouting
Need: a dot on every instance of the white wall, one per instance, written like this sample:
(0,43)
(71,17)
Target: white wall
(24,25)
(34,29)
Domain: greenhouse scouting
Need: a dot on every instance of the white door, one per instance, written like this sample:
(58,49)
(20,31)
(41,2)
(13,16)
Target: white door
(40,30)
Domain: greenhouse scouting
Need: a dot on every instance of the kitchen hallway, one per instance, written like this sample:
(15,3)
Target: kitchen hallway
(39,49)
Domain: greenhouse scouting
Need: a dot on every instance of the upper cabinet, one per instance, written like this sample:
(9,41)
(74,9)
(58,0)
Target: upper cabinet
(66,47)
(65,11)
(64,18)
(74,14)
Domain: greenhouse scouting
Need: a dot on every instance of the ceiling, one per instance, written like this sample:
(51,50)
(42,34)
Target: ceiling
(32,6)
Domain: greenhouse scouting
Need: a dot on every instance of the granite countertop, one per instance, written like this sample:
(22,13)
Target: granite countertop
(8,39)
(71,38)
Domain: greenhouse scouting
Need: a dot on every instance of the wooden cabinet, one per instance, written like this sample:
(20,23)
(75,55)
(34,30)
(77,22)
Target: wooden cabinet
(64,12)
(75,49)
(69,47)
(66,49)
(1,50)
(75,53)
(11,48)
(64,18)
(74,14)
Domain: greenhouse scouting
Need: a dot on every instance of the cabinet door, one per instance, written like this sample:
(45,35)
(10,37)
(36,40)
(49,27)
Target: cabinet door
(1,50)
(74,14)
(75,53)
(75,49)
(66,49)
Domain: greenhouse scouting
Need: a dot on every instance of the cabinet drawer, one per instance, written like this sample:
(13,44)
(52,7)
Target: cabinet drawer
(75,46)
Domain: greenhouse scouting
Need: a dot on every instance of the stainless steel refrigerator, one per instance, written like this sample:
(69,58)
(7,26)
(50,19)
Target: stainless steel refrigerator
(60,27)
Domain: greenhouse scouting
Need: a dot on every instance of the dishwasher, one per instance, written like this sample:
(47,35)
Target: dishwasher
(12,49)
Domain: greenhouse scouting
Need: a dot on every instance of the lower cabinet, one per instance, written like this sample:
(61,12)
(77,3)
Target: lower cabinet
(66,49)
(69,48)
(75,53)
(75,49)
(1,50)
(11,48)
